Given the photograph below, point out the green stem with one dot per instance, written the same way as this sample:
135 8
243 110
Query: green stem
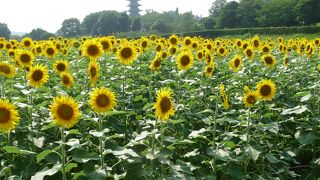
153 142
63 154
248 128
8 138
101 143
214 135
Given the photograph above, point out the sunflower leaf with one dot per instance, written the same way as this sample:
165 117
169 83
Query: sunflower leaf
15 150
296 110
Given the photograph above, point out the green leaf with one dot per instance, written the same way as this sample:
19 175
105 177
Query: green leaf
84 157
253 153
192 153
296 110
195 134
147 106
15 150
272 159
43 154
222 154
206 111
115 113
305 138
305 98
46 172
71 166
123 151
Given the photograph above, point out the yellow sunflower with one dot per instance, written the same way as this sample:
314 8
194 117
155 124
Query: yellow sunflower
61 66
236 63
184 60
50 51
208 70
250 98
249 53
24 58
200 55
187 41
318 67
102 100
224 97
9 116
164 105
38 75
126 54
265 49
173 50
144 43
7 70
65 111
92 49
155 65
173 40
266 89
285 60
222 51
66 79
27 42
93 72
268 60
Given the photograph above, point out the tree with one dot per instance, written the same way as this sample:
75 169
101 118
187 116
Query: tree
307 11
70 28
134 8
4 31
39 34
277 13
124 22
208 22
107 23
228 16
247 12
88 23
216 7
136 25
159 27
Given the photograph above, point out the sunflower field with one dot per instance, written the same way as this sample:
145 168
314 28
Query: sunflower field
160 108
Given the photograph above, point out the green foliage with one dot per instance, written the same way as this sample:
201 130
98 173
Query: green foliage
107 23
4 31
228 16
39 34
70 28
136 24
124 22
307 11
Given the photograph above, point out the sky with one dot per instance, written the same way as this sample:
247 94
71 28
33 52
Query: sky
25 15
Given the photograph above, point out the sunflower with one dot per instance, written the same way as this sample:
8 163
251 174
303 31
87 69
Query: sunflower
173 40
184 60
65 111
27 42
250 98
266 89
256 42
7 70
106 44
24 58
200 54
144 43
239 43
265 49
235 63
187 41
38 75
155 65
268 60
102 100
224 97
164 105
92 49
285 60
249 53
222 51
50 51
195 45
208 70
126 54
61 66
93 72
9 116
66 79
172 50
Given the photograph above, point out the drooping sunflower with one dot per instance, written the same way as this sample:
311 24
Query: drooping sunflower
249 52
66 79
7 70
27 42
268 60
208 70
9 116
60 66
65 111
266 89
126 54
24 58
93 72
285 60
38 75
164 105
92 49
155 64
102 100
250 98
172 50
185 60
224 97
236 63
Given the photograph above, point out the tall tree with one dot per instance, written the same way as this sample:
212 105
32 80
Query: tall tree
39 34
308 11
4 31
89 22
124 22
247 12
228 16
134 7
107 23
216 7
136 24
70 28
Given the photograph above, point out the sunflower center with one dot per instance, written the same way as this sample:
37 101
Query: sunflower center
50 51
37 75
256 43
27 43
265 49
11 53
157 63
105 45
144 44
188 42
249 53
102 100
221 50
1 45
185 60
251 99
61 67
93 71
265 90
65 80
237 63
93 50
5 69
268 60
194 45
158 48
126 52
25 58
4 115
210 69
200 55
173 41
65 112
165 104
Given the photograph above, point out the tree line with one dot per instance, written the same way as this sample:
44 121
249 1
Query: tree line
223 14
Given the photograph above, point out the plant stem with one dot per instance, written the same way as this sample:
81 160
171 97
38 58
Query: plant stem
214 134
248 128
8 138
63 154
153 142
101 145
